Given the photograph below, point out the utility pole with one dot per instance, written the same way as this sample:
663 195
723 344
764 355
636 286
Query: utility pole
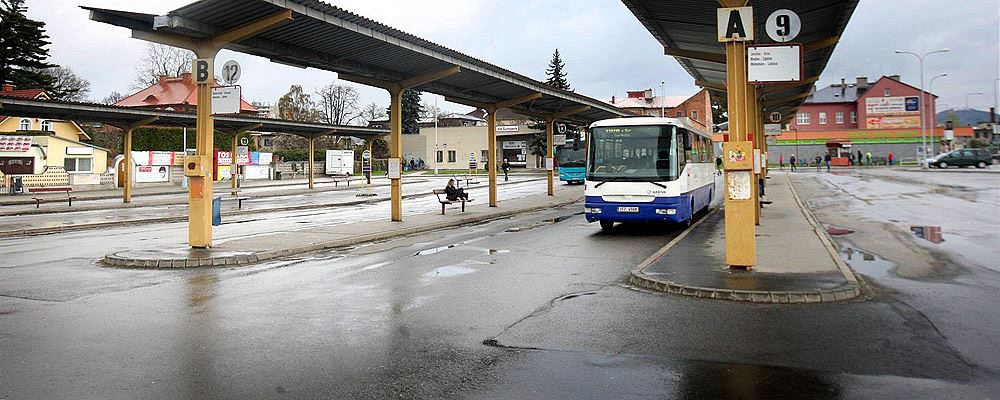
923 104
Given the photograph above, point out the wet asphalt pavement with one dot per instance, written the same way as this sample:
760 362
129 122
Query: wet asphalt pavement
518 308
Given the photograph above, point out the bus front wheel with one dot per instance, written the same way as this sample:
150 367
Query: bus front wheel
607 225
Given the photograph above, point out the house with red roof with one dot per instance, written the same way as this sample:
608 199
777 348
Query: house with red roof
174 94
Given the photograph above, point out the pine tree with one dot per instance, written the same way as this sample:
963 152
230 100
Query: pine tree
412 109
557 77
22 48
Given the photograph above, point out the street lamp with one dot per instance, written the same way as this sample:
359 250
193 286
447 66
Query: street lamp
934 126
967 98
923 122
663 99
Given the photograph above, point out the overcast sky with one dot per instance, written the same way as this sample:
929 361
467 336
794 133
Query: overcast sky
606 50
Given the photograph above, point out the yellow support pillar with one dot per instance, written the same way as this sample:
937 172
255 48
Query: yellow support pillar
234 167
755 134
127 162
741 245
200 187
396 147
549 155
312 162
491 145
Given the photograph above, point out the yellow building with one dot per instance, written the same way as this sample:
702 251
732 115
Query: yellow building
33 146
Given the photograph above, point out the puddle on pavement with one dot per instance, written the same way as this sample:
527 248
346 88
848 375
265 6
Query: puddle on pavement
562 218
866 263
449 271
929 233
434 250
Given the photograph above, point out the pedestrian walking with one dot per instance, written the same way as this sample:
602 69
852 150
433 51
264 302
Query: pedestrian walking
890 158
718 165
850 158
826 159
861 158
791 162
781 161
819 161
868 155
505 167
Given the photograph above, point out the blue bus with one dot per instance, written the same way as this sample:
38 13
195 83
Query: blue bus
571 159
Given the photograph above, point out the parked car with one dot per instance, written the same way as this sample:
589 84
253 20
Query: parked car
978 158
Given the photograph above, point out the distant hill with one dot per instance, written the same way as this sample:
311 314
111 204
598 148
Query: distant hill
967 117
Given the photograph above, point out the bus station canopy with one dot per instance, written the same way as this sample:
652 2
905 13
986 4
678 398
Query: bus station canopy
125 116
360 50
687 30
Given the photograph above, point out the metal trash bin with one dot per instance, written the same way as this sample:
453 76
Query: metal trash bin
217 211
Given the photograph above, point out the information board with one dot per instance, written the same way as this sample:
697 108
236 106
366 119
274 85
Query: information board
774 63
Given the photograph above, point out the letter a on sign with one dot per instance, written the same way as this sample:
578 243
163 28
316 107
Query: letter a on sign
202 72
735 24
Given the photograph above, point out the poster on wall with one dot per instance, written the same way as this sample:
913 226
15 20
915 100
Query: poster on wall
15 143
892 122
892 105
152 173
251 172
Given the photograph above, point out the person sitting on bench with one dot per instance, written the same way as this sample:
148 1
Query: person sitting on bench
453 193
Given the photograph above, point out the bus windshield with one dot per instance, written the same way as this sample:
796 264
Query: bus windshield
567 157
633 153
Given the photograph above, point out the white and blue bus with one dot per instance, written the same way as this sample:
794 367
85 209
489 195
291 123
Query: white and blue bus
647 169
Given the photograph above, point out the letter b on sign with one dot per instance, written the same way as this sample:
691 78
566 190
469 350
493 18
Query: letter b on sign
203 70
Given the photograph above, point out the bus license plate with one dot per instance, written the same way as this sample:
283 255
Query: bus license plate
628 209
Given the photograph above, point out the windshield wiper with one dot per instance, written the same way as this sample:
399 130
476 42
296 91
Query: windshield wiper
609 179
658 184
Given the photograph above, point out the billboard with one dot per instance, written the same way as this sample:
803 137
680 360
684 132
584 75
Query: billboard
898 105
903 122
152 173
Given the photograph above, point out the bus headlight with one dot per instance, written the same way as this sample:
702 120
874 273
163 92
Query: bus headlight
666 211
592 210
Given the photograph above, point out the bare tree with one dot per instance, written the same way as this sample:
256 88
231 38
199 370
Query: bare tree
66 85
113 98
338 104
372 112
297 106
161 60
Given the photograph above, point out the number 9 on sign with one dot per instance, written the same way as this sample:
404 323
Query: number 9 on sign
783 26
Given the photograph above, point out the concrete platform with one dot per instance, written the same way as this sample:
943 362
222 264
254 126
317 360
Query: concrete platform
796 260
258 248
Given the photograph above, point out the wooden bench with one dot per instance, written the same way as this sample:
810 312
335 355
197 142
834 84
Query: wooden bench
341 178
444 200
64 189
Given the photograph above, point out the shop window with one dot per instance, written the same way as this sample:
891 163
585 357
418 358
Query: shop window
25 124
840 117
46 125
452 156
440 157
78 165
802 118
822 118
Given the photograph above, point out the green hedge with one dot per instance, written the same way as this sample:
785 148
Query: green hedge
300 155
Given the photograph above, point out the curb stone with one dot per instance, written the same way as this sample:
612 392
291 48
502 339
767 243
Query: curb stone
114 260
